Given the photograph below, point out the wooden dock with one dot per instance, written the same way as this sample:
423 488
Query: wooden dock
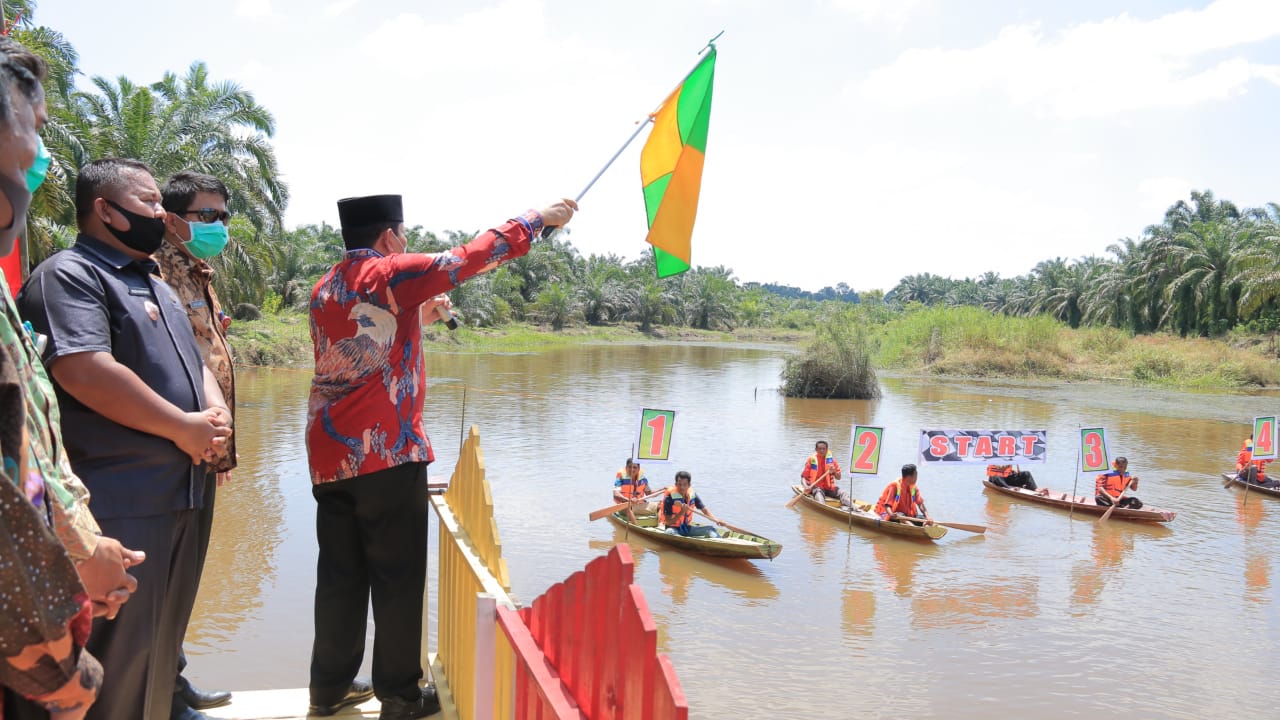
292 705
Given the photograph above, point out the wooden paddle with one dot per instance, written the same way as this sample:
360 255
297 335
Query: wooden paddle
792 502
1106 515
722 524
957 526
603 512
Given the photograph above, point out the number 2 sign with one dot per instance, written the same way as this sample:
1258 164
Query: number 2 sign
1093 450
867 441
656 428
1264 437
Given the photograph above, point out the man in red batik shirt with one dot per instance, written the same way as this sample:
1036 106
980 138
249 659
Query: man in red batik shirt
368 450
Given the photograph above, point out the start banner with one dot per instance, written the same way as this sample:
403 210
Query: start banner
1004 447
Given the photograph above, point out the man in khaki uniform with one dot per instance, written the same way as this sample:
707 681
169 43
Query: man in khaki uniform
195 230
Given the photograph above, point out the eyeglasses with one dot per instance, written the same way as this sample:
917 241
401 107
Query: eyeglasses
209 215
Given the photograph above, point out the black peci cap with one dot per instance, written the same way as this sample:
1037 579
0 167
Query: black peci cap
357 213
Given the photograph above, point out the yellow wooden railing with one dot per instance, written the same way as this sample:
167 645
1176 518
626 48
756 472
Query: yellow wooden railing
474 660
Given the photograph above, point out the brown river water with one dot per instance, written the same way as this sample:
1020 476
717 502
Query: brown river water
1046 616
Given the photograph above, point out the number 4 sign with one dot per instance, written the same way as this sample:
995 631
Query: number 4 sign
656 428
1264 437
865 459
1093 450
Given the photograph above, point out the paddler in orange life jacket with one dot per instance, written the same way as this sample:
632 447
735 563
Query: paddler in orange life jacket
1253 471
816 467
675 515
902 497
630 485
1110 485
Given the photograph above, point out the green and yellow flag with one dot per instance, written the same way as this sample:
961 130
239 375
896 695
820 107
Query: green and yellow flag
671 167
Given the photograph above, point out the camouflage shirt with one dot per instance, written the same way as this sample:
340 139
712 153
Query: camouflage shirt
192 280
51 485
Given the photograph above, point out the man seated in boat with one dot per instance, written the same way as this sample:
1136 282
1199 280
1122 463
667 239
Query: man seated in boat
630 485
675 514
1253 471
1006 476
902 497
1111 485
823 468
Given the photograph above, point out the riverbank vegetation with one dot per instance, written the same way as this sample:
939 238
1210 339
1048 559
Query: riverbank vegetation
1193 300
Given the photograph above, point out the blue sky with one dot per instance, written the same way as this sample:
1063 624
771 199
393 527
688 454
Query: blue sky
851 141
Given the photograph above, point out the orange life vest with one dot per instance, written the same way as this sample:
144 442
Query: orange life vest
678 517
893 500
1112 483
1246 456
1002 471
631 489
813 468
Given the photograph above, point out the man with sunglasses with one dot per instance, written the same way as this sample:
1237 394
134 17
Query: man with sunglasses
195 230
143 414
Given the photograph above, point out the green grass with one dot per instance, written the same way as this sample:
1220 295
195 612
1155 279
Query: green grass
967 341
954 342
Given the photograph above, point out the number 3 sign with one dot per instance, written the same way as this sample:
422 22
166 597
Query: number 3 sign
1093 450
865 459
656 427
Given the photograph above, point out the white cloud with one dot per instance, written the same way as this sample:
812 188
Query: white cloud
254 9
892 13
338 7
1156 194
1095 69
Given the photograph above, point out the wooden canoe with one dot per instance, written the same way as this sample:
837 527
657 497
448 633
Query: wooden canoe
863 517
1273 492
730 544
1083 504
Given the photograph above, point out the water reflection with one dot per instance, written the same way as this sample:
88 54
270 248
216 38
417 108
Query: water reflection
1110 543
858 612
678 569
975 603
818 531
897 560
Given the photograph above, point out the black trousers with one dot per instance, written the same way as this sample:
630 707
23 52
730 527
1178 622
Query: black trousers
1127 501
204 530
139 649
372 533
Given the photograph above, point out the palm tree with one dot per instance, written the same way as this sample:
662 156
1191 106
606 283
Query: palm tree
556 305
1204 295
709 299
601 289
650 304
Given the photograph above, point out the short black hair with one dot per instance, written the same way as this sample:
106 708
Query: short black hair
822 442
365 236
908 470
1122 459
99 176
684 475
181 189
630 462
20 69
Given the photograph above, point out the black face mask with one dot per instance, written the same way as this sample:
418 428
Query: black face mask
19 199
145 233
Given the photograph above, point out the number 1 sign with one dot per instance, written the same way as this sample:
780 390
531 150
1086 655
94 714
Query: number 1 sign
656 427
865 459
1264 437
1093 450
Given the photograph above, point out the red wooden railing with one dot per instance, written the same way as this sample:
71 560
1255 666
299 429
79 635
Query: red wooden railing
587 648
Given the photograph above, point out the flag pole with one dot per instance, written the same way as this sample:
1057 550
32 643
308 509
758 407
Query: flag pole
648 119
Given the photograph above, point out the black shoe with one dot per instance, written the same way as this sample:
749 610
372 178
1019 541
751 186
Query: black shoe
394 708
199 699
358 693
